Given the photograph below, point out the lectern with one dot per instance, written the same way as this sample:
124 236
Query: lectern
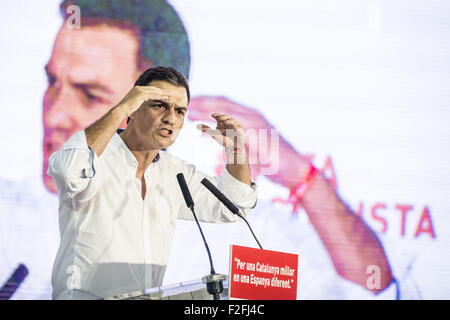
255 274
189 290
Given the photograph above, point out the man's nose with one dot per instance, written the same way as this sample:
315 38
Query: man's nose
59 108
169 116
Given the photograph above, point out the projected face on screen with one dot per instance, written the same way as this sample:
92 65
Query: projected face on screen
89 71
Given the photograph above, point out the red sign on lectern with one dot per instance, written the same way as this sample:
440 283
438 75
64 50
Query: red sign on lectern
257 274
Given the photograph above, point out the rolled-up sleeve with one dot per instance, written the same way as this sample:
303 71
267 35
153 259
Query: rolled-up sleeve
241 194
74 167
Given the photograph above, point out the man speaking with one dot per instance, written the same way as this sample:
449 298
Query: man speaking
118 191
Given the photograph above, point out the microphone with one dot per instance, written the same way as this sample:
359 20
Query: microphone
230 205
219 195
185 190
214 280
14 281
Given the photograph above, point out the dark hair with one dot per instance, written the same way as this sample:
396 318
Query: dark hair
161 73
162 36
167 74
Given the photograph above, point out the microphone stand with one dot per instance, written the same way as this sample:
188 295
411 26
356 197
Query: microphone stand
214 284
213 281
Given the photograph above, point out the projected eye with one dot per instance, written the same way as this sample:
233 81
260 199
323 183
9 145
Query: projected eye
91 97
51 79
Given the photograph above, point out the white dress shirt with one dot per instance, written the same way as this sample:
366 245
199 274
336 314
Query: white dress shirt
112 240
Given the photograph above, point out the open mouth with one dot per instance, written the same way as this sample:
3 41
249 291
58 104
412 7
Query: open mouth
166 132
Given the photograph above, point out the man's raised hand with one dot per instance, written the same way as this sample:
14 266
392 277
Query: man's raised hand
228 132
139 95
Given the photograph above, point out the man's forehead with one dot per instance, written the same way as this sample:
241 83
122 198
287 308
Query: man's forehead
178 93
93 51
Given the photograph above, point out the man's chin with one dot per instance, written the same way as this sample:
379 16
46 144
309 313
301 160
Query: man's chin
164 146
164 143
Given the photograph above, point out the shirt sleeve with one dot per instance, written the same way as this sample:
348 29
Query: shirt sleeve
207 207
74 168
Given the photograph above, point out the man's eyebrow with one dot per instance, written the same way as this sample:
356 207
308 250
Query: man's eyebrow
93 86
160 101
166 104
